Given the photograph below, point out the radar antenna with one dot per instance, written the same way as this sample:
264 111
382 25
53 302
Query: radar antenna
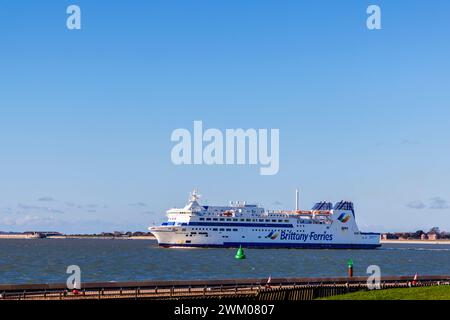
195 196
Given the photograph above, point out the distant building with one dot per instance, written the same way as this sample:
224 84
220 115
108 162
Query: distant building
107 234
25 235
389 236
433 236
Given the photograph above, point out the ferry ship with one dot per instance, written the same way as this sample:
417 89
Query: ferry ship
325 226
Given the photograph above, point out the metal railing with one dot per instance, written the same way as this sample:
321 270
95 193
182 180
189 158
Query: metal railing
277 288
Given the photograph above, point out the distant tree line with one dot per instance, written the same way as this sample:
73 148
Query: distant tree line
419 233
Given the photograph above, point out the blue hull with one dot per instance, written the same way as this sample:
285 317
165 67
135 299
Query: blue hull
277 245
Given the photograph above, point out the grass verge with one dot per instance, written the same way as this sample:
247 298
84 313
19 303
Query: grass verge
419 293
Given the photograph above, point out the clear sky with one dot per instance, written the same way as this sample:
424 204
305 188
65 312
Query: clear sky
86 115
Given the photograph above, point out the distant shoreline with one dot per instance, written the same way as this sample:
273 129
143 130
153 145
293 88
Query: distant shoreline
103 237
415 242
30 237
150 237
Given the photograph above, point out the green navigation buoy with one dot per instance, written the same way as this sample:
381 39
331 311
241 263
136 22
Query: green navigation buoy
240 254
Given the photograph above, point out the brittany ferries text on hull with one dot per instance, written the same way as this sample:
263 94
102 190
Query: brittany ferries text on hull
323 227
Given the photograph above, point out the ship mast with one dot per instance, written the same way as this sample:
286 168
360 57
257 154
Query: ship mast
194 196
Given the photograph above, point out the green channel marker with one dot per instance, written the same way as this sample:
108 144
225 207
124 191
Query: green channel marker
350 268
240 254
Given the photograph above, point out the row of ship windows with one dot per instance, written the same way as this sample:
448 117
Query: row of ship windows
211 229
229 230
215 211
246 220
206 236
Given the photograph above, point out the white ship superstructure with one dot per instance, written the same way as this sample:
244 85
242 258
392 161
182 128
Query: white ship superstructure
241 224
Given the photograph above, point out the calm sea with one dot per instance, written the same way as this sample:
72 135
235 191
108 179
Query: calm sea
46 261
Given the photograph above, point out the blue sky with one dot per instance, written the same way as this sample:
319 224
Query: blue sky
86 116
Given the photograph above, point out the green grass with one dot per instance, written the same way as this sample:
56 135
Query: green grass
419 293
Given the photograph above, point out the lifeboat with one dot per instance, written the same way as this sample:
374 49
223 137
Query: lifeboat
228 214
